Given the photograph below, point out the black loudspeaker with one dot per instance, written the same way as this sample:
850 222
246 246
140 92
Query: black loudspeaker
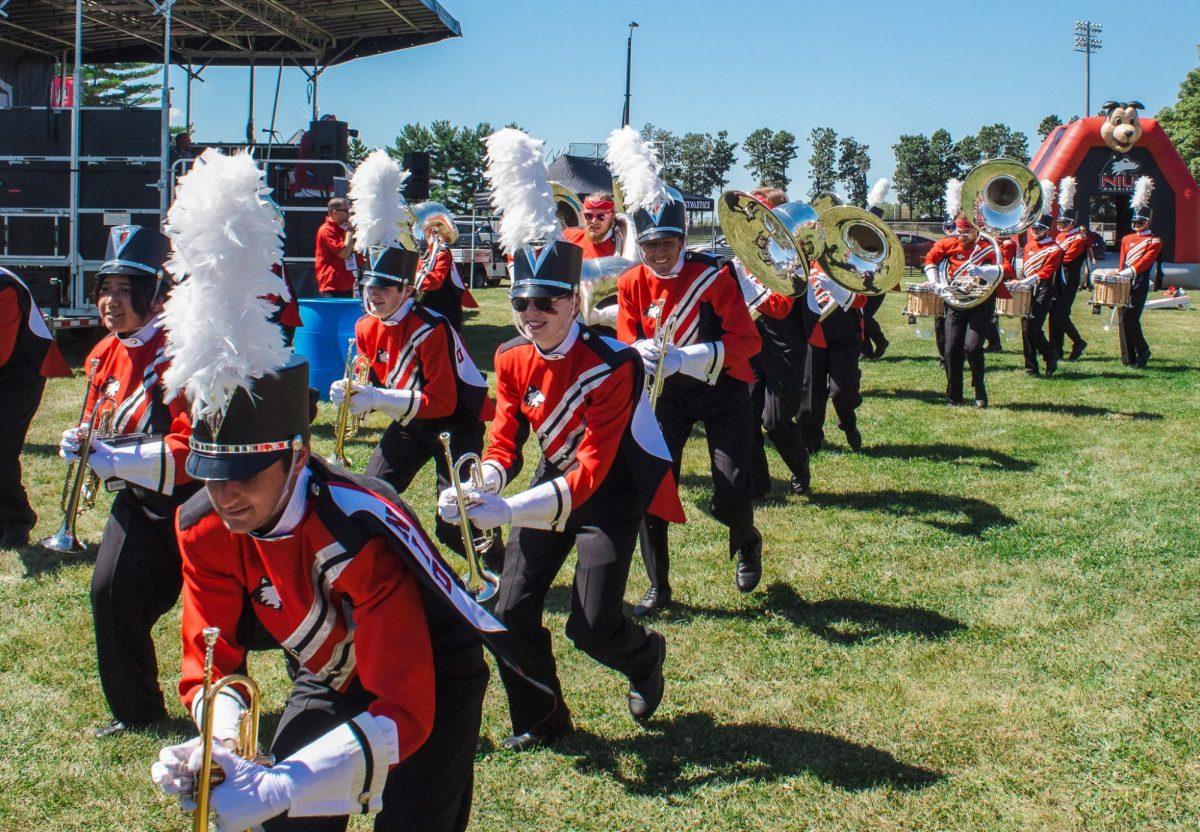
36 185
416 162
121 132
118 185
330 140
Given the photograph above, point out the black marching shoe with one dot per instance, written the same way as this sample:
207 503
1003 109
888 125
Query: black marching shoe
656 599
853 438
1077 350
748 571
112 728
801 481
535 739
15 536
881 349
981 400
1032 371
1051 365
645 694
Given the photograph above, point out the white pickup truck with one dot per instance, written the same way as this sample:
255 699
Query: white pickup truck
479 249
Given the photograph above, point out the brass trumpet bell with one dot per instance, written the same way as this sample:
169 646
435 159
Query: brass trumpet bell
568 206
1001 197
763 242
861 252
437 216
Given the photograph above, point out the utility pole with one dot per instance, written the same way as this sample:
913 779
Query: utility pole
628 63
1087 41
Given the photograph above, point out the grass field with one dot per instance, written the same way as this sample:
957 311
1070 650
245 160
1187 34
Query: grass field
984 620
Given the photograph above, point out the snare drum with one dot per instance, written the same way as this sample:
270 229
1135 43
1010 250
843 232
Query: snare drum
1019 305
924 302
1110 290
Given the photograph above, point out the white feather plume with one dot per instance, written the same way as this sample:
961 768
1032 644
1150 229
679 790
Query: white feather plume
377 207
227 235
1141 192
1048 194
520 189
953 198
878 193
635 164
1066 193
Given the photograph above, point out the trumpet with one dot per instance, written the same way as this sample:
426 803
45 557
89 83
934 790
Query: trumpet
663 336
83 484
357 371
480 582
247 740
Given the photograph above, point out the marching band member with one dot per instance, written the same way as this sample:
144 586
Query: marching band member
953 204
1140 250
1008 272
28 356
874 342
423 379
1040 268
831 370
604 463
778 372
328 565
1073 240
965 329
136 580
438 282
705 364
599 236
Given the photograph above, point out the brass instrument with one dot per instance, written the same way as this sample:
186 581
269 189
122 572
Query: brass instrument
482 583
598 282
663 336
1000 198
357 371
568 206
83 484
434 218
247 741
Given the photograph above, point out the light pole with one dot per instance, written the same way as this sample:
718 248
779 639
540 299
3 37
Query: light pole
628 62
1087 42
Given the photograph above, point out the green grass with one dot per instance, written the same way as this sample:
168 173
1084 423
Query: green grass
985 620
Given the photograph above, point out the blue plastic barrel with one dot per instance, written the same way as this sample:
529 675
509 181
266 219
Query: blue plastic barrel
328 327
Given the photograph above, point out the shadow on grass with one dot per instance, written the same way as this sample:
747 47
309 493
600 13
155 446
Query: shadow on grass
928 396
1084 410
941 452
44 449
38 561
925 506
677 757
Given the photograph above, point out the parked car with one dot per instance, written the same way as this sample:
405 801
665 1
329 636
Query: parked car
916 247
719 249
478 246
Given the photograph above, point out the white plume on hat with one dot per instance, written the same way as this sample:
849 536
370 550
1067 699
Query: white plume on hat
878 193
1141 192
953 198
635 164
520 189
227 234
1066 193
377 208
1048 194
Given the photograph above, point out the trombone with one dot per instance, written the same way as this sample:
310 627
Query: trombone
247 740
82 483
357 371
481 582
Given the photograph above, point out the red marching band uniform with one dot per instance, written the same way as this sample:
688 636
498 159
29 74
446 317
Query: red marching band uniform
1041 266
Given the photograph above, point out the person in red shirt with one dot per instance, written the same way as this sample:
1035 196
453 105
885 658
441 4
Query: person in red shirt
137 575
1073 240
336 263
1140 251
599 236
707 379
1041 267
422 378
28 356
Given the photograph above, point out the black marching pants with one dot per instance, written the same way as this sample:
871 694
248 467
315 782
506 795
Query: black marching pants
939 337
402 452
428 792
1134 349
724 410
830 373
966 331
873 338
137 580
597 624
1061 325
22 395
775 404
1033 338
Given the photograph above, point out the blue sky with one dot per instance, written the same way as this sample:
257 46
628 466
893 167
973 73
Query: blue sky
872 70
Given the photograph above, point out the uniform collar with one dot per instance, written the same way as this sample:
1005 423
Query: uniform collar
563 348
293 513
398 316
142 337
1145 232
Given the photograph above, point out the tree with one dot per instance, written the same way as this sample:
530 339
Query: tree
998 141
358 151
704 162
666 144
120 85
913 180
768 154
722 159
853 163
1182 121
943 162
823 161
967 154
1046 126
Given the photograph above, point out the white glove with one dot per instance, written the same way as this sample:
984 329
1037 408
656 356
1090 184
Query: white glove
931 274
672 361
487 511
973 270
646 347
250 794
447 504
68 447
172 774
102 459
700 361
399 405
337 391
605 316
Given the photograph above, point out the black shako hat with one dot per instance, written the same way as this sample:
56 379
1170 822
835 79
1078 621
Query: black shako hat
1145 213
1067 215
135 250
662 219
257 428
549 272
391 265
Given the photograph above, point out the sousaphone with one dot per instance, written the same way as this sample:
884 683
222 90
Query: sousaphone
568 206
428 215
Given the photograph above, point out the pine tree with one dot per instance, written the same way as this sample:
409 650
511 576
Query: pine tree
121 85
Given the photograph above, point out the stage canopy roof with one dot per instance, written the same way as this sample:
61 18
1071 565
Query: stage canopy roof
227 32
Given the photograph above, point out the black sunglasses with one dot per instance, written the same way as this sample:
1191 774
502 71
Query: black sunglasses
540 304
592 217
